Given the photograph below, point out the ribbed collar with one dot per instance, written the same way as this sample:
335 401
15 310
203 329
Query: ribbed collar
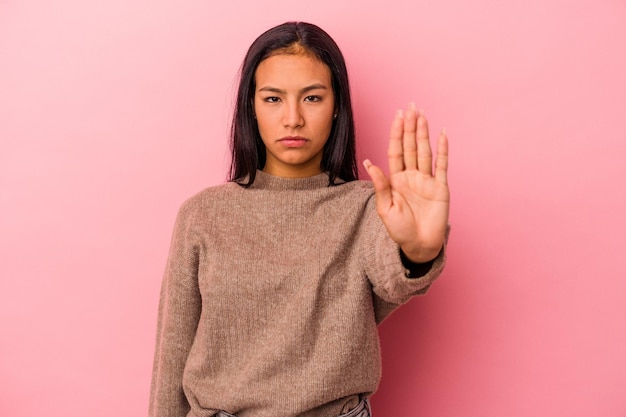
272 182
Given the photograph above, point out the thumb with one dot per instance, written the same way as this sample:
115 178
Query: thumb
382 187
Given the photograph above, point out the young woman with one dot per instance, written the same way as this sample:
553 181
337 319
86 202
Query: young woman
276 280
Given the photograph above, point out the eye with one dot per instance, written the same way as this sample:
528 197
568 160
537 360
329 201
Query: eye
312 99
271 99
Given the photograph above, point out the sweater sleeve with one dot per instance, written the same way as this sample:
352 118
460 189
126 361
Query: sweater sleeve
383 264
178 315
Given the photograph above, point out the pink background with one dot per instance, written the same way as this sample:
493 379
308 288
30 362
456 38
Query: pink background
112 113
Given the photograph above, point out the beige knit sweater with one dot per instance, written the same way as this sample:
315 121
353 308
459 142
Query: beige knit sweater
271 297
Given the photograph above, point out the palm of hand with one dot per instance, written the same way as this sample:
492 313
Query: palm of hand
413 203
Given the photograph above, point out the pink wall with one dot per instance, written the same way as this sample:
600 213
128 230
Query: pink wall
112 113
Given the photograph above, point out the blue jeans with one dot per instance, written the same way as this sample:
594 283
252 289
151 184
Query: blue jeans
361 410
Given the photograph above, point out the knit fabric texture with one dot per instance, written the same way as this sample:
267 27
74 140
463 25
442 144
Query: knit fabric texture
271 298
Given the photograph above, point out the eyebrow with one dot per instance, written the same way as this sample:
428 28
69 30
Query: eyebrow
304 90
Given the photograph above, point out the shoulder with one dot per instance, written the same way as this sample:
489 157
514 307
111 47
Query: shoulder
208 197
362 185
357 189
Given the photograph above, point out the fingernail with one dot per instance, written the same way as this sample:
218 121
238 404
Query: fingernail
412 105
367 164
444 132
421 112
399 113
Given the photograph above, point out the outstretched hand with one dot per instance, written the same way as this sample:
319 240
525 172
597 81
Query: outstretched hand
414 201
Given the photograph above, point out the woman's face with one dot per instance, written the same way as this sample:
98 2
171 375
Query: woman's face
294 105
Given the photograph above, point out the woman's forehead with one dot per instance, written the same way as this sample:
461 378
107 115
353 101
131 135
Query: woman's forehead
290 69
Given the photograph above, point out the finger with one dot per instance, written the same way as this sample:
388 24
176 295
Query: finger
409 145
441 164
394 152
424 153
381 186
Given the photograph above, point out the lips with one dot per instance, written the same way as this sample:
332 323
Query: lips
293 141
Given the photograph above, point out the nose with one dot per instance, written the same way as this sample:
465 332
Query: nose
292 116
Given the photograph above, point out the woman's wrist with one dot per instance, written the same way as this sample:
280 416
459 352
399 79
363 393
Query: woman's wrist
415 269
419 255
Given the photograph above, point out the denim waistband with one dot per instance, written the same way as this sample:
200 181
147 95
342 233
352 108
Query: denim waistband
361 410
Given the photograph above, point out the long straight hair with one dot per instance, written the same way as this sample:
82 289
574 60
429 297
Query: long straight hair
247 148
